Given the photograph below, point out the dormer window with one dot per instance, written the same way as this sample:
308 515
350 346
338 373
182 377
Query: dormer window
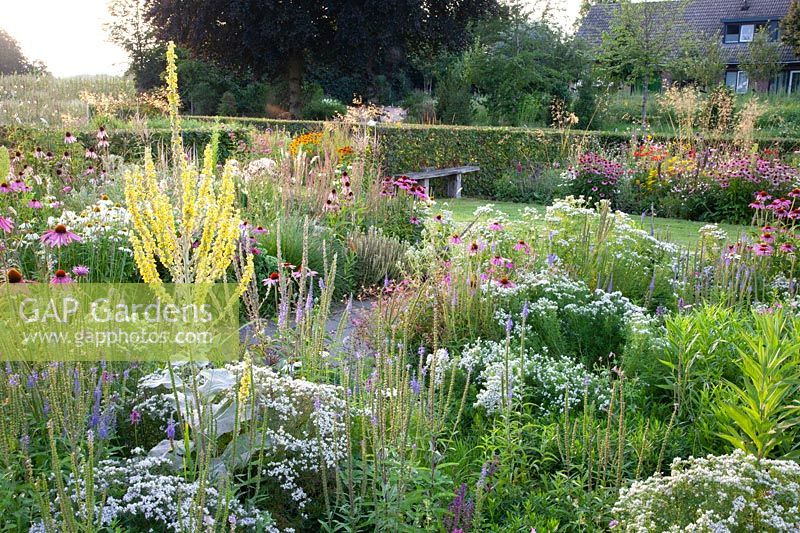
739 33
745 31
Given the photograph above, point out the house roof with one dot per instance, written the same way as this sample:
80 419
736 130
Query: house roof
707 17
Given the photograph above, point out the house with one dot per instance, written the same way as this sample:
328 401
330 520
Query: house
734 22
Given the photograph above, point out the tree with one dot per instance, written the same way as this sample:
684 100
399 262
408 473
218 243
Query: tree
12 60
279 38
130 30
521 69
764 58
700 60
640 43
790 27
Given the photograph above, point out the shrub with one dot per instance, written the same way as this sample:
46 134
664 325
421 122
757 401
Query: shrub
733 492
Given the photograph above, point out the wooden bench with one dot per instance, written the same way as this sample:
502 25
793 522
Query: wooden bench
453 175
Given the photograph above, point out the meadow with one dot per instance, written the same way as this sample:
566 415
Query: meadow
401 362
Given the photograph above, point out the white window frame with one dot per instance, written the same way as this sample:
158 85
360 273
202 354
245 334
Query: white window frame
747 37
739 75
792 75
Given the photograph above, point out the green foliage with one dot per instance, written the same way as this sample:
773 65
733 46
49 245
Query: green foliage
454 97
521 95
227 105
790 27
700 59
763 59
760 412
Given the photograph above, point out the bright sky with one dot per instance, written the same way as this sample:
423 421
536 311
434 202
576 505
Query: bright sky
68 35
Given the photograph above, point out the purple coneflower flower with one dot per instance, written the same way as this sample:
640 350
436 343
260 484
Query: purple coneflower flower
787 248
272 279
69 138
61 278
59 236
414 220
496 226
80 270
455 239
763 249
6 224
102 135
35 204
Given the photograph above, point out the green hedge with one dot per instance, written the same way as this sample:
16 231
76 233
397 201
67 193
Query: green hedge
404 147
410 147
126 143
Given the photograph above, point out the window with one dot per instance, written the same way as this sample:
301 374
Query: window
740 32
794 82
732 33
746 33
738 81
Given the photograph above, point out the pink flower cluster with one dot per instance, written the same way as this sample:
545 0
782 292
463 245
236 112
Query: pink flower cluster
597 176
766 172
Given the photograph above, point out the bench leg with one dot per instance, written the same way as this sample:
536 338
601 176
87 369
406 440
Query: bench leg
455 186
426 184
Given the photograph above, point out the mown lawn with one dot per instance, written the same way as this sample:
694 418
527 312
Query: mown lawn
682 232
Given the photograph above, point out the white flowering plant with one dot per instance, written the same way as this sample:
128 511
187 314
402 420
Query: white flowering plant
726 493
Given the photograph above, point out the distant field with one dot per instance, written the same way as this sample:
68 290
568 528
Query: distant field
681 232
47 101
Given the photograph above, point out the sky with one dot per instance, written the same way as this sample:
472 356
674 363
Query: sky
68 35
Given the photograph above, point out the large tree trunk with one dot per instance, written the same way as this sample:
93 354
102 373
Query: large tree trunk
295 64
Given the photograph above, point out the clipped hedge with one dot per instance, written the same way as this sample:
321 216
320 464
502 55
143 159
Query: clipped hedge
405 147
126 143
411 147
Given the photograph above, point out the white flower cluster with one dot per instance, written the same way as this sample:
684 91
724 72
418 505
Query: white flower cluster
264 167
546 380
441 359
305 425
144 488
103 219
724 493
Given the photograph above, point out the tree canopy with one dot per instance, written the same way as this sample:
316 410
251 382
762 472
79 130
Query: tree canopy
366 38
12 60
790 27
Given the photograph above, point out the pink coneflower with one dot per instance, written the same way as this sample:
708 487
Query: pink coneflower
787 248
259 230
505 283
455 239
763 249
414 220
66 156
439 218
495 226
102 135
6 224
80 271
474 247
17 157
767 237
38 153
61 278
794 193
522 246
89 171
5 188
762 196
19 186
35 204
103 144
66 189
272 279
56 205
69 138
90 153
59 236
